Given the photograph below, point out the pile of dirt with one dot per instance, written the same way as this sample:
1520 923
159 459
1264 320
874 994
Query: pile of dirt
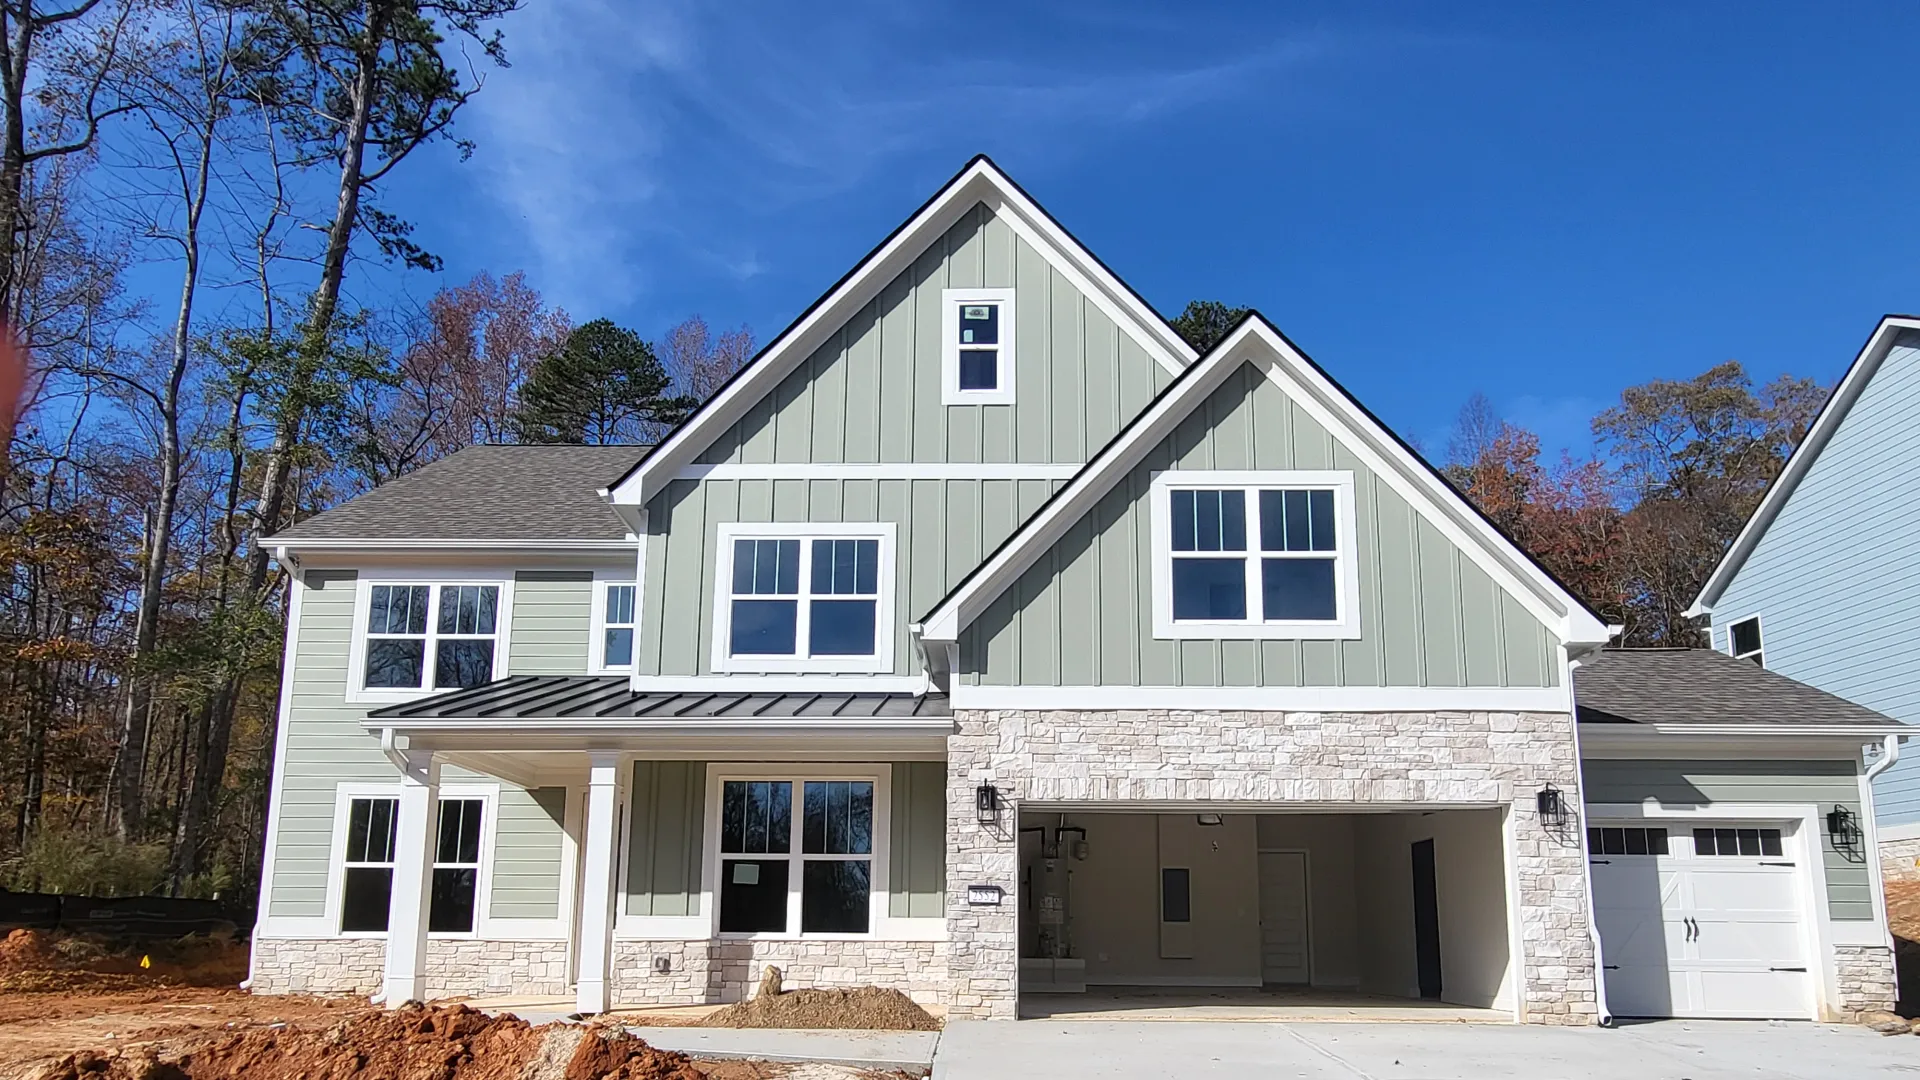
860 1007
417 1042
38 961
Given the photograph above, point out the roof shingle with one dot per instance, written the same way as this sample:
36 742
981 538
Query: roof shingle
1701 686
487 493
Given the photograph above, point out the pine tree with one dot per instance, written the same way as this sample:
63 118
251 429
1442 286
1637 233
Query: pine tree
604 386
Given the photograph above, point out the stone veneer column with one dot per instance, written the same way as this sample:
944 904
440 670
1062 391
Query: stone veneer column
1326 760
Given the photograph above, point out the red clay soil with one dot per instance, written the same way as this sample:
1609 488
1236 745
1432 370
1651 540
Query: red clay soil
610 1054
38 962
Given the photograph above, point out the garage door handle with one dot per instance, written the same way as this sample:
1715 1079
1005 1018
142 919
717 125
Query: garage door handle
1599 862
1776 863
1610 967
1787 969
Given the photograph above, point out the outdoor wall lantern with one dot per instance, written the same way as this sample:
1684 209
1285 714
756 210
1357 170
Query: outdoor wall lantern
1841 826
986 804
1551 806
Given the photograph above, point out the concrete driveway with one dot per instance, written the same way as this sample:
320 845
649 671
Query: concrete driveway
1667 1050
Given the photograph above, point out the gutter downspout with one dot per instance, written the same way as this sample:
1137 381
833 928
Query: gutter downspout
1889 753
1603 1016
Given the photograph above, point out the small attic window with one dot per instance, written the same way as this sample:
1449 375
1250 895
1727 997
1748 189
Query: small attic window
977 346
1743 641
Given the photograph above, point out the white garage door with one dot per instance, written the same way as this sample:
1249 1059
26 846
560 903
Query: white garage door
1701 920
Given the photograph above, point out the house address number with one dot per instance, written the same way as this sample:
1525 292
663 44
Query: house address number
985 895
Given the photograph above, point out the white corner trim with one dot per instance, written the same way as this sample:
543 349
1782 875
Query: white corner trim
1345 624
885 470
1005 360
980 181
1854 383
276 792
878 662
1267 698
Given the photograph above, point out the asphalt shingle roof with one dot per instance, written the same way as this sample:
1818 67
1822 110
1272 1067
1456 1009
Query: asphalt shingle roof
487 493
610 697
1701 686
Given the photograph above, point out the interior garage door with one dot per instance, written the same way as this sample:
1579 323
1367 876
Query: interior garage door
1700 921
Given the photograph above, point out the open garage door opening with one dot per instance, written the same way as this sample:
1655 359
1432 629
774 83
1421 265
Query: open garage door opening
1323 915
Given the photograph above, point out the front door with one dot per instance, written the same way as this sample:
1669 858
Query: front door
1704 921
1283 917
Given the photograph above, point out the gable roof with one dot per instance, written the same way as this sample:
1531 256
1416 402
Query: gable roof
482 493
1256 341
980 181
1701 686
1800 462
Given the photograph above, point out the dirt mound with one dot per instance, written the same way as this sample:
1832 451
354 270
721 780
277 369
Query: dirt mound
412 1043
860 1007
37 961
25 950
612 1054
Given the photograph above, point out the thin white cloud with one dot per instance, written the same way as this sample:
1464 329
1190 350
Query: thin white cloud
630 140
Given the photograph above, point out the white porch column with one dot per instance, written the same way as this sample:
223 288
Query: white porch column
412 879
597 887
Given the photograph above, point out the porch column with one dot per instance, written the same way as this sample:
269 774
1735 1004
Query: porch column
412 879
597 891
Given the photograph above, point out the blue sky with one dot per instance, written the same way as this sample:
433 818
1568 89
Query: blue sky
1545 203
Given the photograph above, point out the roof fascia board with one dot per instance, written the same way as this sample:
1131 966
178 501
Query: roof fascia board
1333 409
1865 365
425 544
979 182
1589 730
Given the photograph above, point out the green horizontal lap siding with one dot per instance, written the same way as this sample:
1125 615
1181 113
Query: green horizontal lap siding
668 809
943 528
552 619
917 868
325 746
873 392
1704 783
528 845
1083 614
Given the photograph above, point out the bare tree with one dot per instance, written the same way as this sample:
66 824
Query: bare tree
700 361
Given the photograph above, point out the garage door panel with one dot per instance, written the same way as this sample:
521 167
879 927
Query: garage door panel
1640 938
1752 994
1644 990
1759 944
1750 891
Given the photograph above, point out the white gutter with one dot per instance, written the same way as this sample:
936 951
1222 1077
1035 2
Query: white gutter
389 746
295 543
1889 753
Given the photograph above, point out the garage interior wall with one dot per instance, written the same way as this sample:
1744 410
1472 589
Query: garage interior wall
1470 868
1360 898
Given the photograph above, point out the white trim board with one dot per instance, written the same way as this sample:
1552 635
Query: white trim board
1258 343
981 181
883 470
276 792
1865 365
1268 698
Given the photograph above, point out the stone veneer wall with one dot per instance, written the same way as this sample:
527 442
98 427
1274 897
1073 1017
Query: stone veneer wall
1866 978
1900 859
723 971
455 967
1441 758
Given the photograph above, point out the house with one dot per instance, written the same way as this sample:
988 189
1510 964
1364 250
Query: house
981 640
1819 584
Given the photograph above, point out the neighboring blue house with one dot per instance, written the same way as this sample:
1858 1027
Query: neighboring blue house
1823 583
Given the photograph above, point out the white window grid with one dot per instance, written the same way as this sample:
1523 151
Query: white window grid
880 661
877 859
620 599
348 793
1346 574
951 301
359 691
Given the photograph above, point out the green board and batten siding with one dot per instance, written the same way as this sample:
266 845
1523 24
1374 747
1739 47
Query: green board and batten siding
326 746
1429 616
665 845
872 395
1705 783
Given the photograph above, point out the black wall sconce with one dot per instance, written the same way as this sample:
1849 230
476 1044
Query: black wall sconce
1842 827
986 804
1551 806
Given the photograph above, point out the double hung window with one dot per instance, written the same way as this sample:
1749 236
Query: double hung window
366 874
977 336
618 628
800 601
796 856
437 637
1254 555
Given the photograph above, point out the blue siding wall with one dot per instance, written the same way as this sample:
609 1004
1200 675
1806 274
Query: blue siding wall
1836 578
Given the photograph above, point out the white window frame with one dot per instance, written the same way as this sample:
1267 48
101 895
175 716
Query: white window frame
878 898
951 301
1758 628
1346 572
343 796
357 689
879 662
597 645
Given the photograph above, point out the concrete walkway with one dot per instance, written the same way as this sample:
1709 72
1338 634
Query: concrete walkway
1669 1050
912 1051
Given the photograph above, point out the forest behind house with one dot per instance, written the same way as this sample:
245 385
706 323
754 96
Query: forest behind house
200 265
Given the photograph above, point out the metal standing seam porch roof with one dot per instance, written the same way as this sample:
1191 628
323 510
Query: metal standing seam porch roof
610 697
